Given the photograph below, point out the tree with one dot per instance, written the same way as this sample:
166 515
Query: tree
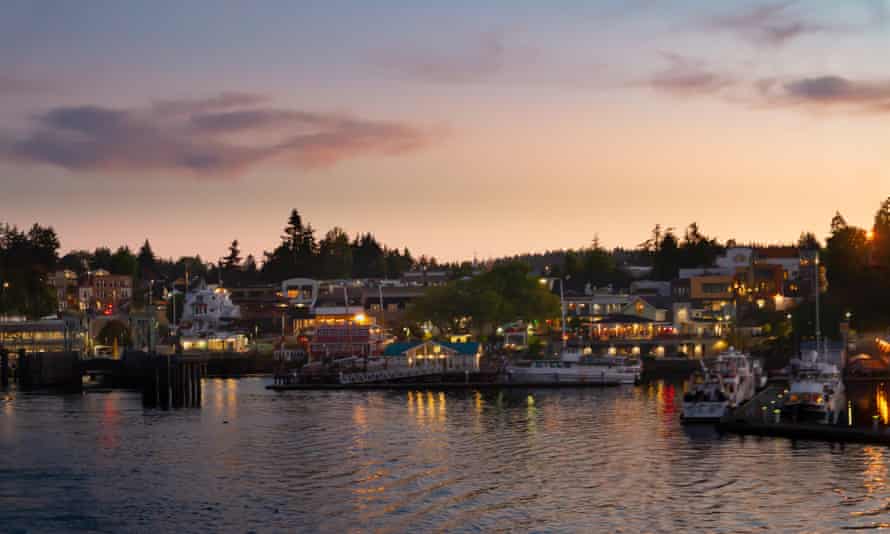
124 262
102 259
666 262
808 241
26 259
233 259
146 261
504 294
336 254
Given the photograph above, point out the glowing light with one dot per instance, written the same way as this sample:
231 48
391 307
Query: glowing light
360 317
870 235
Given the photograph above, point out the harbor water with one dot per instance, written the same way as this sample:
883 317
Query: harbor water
611 460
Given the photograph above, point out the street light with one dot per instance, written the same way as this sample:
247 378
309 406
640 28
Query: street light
562 307
5 286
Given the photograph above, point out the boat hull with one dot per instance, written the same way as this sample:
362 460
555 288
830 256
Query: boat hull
704 412
568 376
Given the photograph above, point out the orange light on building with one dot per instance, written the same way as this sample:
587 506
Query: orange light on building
870 235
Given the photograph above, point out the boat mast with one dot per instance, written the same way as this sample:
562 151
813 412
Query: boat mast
818 290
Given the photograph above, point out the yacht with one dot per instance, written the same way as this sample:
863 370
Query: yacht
563 372
706 402
815 390
737 376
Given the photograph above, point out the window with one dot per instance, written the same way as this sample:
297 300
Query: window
715 288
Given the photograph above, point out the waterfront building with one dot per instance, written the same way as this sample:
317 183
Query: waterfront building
262 308
215 342
45 335
208 309
439 354
333 341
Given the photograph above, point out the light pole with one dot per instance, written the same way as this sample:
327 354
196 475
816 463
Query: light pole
562 306
3 289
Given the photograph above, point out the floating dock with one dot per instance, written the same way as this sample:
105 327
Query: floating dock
758 417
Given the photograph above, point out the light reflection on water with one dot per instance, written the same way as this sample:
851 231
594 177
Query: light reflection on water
613 459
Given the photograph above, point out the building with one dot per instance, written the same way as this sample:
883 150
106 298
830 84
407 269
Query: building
208 309
65 284
262 308
334 341
437 354
388 305
45 335
101 291
425 278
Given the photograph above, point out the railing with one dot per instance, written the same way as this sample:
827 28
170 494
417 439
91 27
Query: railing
388 374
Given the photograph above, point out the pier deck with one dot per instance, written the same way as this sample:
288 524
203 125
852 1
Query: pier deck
753 419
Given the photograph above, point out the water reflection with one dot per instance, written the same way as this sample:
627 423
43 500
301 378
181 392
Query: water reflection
524 460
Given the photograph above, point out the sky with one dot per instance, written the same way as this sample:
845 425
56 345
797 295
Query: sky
456 129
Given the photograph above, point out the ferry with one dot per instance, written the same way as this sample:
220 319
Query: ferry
629 370
564 372
815 390
706 402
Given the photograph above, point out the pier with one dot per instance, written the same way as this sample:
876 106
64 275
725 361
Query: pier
761 417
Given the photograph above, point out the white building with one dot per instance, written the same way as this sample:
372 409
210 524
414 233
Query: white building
208 309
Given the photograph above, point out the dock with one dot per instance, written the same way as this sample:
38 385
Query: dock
757 417
405 386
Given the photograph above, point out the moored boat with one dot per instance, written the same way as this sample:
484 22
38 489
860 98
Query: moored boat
737 377
563 372
706 402
815 389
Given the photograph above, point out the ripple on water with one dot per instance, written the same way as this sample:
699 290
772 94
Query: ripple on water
541 460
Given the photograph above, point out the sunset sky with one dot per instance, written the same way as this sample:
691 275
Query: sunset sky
473 127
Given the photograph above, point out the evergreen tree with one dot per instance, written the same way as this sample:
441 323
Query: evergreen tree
233 259
147 262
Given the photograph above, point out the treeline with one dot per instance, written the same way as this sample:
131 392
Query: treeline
335 256
857 269
26 259
664 251
299 254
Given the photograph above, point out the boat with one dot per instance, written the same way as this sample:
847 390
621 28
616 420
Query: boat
815 391
737 376
563 372
706 402
629 370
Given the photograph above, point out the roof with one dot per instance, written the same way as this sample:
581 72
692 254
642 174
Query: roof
397 349
658 301
618 318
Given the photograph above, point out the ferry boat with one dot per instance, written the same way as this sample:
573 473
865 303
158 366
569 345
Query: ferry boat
706 402
563 372
815 390
737 376
629 370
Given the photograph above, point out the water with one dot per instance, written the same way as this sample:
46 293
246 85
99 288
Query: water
613 460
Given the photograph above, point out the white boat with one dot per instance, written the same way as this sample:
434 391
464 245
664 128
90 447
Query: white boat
706 402
628 370
815 390
562 372
737 378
